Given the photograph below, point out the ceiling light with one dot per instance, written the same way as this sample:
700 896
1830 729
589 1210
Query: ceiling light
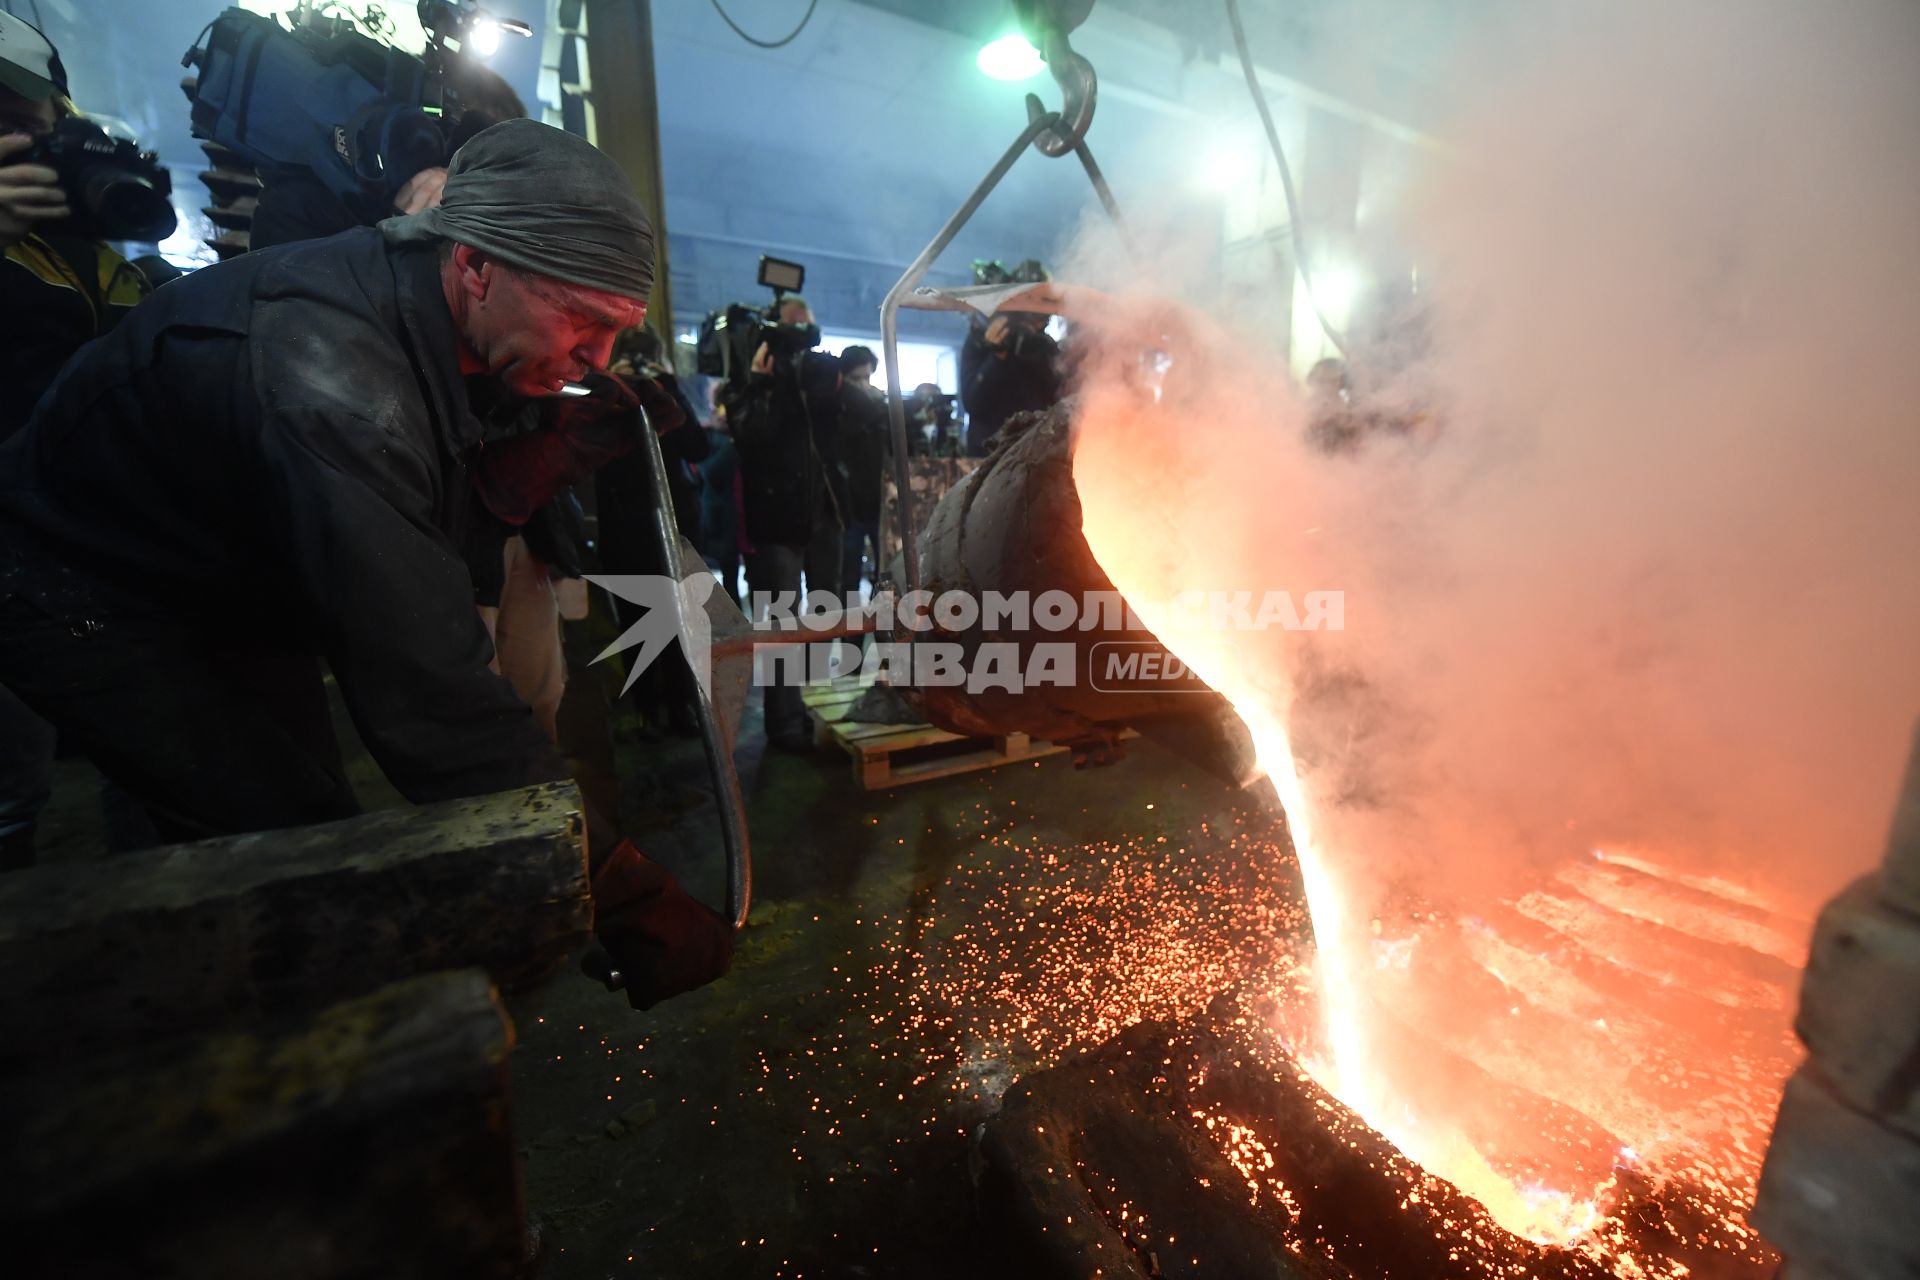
1010 58
1337 285
1228 164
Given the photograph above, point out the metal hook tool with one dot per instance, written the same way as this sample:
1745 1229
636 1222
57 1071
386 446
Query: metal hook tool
719 749
713 736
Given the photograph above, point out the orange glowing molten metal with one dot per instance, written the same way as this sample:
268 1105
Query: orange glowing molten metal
1608 1022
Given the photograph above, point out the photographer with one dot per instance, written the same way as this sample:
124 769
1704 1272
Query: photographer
865 443
296 205
1009 364
785 418
930 423
62 290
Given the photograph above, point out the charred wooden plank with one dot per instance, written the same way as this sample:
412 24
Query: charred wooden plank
185 937
1094 1172
1069 1154
1192 1150
372 1138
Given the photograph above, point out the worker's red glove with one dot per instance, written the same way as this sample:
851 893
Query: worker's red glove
660 939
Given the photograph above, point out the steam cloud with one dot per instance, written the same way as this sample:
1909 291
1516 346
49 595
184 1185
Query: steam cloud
1646 573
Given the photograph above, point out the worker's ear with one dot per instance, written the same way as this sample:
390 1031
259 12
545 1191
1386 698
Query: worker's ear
473 271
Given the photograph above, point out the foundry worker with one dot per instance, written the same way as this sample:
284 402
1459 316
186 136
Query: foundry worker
267 464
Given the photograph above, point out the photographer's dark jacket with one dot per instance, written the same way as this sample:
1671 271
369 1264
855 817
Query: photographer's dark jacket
277 446
865 440
57 293
1021 376
789 446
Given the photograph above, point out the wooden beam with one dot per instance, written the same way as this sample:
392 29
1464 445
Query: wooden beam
370 1139
99 955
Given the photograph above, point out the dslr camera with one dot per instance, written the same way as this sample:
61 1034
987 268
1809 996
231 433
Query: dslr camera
116 190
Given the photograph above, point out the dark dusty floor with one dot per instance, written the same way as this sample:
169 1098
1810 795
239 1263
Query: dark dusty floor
909 954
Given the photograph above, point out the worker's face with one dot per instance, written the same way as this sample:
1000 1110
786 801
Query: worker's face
795 313
860 375
535 333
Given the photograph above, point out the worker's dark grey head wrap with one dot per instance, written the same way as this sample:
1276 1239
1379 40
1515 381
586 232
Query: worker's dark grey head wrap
546 201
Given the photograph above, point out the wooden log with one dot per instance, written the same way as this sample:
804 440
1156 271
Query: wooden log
370 1139
183 938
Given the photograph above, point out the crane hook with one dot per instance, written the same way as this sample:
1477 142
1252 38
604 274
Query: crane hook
1046 24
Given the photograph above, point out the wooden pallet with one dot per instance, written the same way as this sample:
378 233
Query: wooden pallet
890 755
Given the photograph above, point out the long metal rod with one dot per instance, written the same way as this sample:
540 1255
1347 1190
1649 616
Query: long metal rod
890 338
1100 188
1301 262
733 809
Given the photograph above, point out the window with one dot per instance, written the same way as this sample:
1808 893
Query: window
920 362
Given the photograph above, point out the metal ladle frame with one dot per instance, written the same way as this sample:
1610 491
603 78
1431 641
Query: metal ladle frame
1052 134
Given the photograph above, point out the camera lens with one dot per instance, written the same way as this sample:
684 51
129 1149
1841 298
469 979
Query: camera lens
128 205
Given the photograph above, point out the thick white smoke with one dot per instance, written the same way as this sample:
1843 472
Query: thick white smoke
1647 574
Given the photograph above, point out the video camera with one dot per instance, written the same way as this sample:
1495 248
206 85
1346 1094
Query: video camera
361 116
730 336
116 190
931 418
992 271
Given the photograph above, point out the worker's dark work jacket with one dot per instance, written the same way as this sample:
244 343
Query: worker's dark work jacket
276 446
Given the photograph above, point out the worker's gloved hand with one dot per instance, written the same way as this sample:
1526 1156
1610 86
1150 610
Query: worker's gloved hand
517 476
663 411
660 939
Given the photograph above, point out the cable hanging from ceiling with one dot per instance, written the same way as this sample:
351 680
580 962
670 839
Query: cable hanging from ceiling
1301 261
766 44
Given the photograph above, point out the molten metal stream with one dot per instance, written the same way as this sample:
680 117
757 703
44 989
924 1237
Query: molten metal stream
1343 960
1619 1068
